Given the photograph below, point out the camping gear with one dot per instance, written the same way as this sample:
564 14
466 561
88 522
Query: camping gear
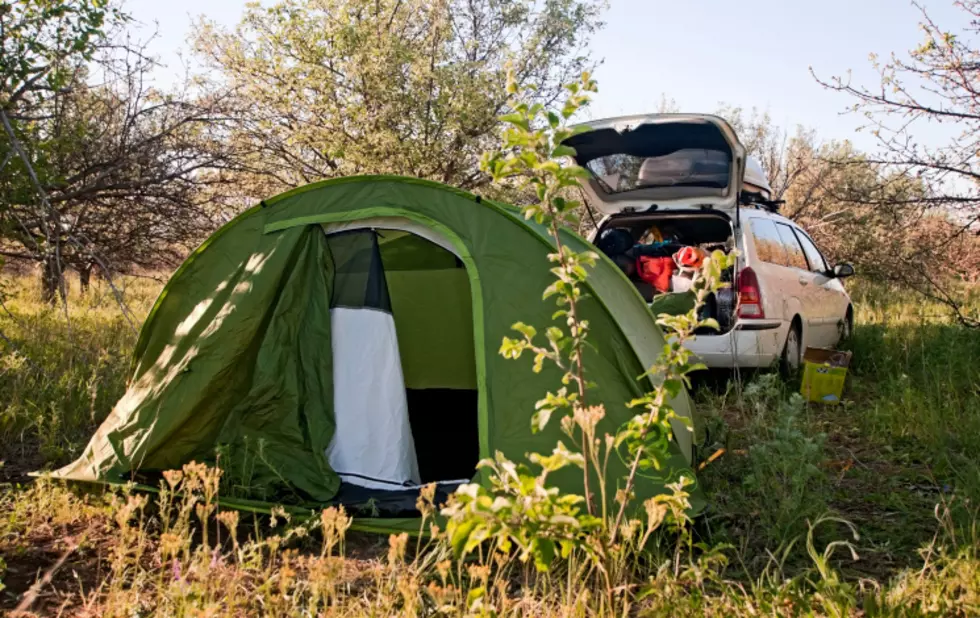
824 374
689 259
664 248
652 235
338 344
686 166
614 242
656 271
673 304
680 283
726 300
755 180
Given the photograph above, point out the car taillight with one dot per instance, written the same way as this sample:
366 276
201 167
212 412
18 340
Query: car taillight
749 296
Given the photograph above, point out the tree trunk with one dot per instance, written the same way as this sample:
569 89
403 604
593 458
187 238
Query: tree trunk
52 279
84 278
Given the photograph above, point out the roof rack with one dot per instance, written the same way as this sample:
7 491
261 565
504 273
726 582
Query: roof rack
757 200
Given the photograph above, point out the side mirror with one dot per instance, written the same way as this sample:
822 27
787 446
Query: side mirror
842 271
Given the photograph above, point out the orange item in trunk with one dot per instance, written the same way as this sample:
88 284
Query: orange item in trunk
656 271
690 257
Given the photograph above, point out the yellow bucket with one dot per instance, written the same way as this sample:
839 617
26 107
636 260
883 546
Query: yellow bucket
824 374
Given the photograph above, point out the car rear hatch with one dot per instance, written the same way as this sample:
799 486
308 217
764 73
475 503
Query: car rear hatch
660 162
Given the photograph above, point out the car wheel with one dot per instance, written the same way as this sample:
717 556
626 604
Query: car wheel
847 326
793 350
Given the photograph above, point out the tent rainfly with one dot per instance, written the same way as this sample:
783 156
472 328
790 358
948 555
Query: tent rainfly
338 344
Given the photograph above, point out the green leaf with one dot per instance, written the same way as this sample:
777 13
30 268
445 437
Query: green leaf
566 548
543 551
540 419
474 595
711 323
562 150
525 329
518 120
460 535
550 291
550 167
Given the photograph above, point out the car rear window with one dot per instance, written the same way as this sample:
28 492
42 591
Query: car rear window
794 252
621 172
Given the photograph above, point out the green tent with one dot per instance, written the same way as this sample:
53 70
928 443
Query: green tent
339 344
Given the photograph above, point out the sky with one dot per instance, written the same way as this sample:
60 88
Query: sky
751 53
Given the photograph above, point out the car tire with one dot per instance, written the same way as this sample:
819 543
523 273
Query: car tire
792 350
847 326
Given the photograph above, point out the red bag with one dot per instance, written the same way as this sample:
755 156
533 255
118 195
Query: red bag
656 271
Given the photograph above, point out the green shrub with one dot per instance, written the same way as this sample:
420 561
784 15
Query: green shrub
786 463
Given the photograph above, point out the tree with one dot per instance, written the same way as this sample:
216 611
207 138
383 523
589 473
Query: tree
43 42
934 91
847 201
336 87
43 45
784 157
101 170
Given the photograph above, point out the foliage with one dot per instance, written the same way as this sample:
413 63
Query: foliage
785 464
533 157
58 383
99 169
521 510
330 88
933 84
43 42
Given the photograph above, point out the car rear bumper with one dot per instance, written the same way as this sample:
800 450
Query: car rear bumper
752 343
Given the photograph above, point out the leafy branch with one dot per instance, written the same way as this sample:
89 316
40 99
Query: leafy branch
532 151
520 510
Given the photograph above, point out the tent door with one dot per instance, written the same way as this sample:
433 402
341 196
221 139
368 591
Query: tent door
404 360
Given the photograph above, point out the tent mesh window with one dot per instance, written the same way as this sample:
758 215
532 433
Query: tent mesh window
359 277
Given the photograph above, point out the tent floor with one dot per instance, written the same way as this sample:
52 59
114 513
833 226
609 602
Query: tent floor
364 502
447 446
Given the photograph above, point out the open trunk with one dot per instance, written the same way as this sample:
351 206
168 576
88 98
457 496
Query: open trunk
670 185
660 162
650 247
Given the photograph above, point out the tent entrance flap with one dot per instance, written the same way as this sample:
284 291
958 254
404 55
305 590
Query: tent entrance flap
406 396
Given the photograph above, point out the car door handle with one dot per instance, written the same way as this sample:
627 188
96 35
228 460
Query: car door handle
804 281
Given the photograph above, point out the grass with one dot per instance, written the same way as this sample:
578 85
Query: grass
893 472
60 378
904 442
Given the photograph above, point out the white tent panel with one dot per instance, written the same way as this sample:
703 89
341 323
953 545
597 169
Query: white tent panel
373 439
